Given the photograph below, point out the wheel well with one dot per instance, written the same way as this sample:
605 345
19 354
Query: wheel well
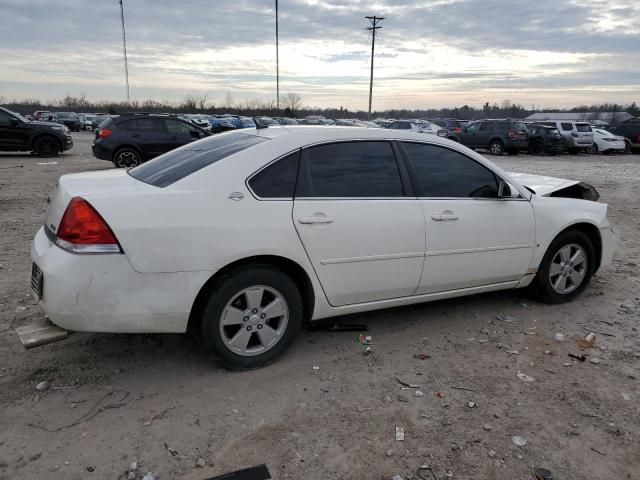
593 233
291 268
42 135
130 147
497 139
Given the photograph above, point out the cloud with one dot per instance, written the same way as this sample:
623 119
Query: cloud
427 54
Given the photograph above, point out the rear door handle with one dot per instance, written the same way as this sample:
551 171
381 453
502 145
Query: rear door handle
444 216
317 218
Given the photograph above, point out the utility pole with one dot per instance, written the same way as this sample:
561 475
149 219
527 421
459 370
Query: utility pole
277 64
124 48
373 28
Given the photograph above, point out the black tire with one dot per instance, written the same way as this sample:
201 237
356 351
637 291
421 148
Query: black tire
536 148
127 158
594 149
496 147
541 287
46 146
627 147
229 287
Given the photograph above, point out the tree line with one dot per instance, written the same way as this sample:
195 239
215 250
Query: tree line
290 105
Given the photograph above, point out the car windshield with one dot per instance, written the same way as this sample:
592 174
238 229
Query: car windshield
182 162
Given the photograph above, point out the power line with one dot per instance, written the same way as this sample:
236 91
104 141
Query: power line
277 64
373 28
124 48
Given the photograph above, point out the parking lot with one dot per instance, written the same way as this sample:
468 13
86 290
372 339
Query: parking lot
159 401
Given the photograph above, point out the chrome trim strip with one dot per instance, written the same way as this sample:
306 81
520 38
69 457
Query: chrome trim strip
370 258
477 250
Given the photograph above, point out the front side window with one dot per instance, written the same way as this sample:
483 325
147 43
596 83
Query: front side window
278 180
445 173
350 169
486 126
473 128
4 118
174 126
567 127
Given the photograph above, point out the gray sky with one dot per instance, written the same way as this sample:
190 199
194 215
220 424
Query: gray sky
428 54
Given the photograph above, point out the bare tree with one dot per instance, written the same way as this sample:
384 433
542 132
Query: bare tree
292 101
228 102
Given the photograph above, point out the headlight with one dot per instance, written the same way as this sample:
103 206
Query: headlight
62 128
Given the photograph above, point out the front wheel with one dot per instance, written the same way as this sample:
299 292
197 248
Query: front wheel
496 147
46 146
566 269
252 317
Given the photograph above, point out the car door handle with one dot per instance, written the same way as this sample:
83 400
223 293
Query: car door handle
317 218
445 216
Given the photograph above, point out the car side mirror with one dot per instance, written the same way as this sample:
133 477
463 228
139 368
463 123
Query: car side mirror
504 190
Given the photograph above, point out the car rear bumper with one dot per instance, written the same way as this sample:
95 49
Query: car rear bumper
102 293
100 152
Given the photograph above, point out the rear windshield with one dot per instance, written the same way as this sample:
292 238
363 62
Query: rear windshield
178 164
583 127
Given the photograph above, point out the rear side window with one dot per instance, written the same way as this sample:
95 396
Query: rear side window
583 127
278 180
445 173
177 164
350 169
150 125
129 125
567 127
486 126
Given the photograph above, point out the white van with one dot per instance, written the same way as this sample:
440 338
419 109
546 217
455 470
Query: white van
577 135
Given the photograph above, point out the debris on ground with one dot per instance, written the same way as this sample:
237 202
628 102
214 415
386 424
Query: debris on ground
42 386
595 360
399 434
559 337
472 405
492 453
316 368
200 462
149 476
367 351
506 318
524 377
407 385
421 356
418 393
581 358
588 340
171 450
261 472
365 339
486 426
519 441
542 474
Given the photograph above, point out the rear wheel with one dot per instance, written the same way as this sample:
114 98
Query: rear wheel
627 147
496 147
46 146
566 269
127 158
252 317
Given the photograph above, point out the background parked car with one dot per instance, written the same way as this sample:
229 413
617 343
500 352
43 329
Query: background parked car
286 121
497 136
221 123
577 135
44 115
199 120
17 134
68 119
544 139
419 126
630 132
606 142
453 126
130 140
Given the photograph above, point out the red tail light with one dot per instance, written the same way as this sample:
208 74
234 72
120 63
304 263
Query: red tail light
83 230
457 129
104 133
513 135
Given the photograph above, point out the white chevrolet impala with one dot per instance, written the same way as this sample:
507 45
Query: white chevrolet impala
245 236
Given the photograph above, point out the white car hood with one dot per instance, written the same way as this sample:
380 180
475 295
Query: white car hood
548 186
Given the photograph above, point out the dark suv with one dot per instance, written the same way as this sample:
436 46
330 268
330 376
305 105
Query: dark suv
454 127
130 140
68 119
545 139
497 136
17 134
630 132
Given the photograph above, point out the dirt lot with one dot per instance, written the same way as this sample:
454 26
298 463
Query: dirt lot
157 400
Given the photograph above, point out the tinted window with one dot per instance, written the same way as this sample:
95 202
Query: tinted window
150 125
566 126
440 123
583 127
173 126
4 118
473 127
351 169
278 180
519 126
179 163
486 126
129 125
446 173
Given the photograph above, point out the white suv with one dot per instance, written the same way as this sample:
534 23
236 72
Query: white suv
577 135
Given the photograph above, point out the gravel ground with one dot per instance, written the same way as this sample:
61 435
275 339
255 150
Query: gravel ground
158 401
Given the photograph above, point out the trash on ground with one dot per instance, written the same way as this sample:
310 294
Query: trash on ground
367 351
42 386
316 368
626 397
595 360
172 451
365 339
407 385
588 340
581 358
472 405
421 356
542 474
261 472
512 352
399 434
200 462
519 441
439 394
506 318
524 377
47 163
418 393
149 476
486 426
559 337
492 453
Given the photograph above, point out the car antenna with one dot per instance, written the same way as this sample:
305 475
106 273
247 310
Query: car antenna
258 124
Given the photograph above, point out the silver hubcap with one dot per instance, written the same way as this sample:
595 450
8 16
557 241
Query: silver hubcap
568 268
127 159
495 148
254 320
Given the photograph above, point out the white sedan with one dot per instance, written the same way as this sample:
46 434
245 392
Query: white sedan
607 142
246 236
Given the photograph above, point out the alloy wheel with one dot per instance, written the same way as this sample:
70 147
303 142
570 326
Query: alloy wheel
254 320
568 268
127 159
